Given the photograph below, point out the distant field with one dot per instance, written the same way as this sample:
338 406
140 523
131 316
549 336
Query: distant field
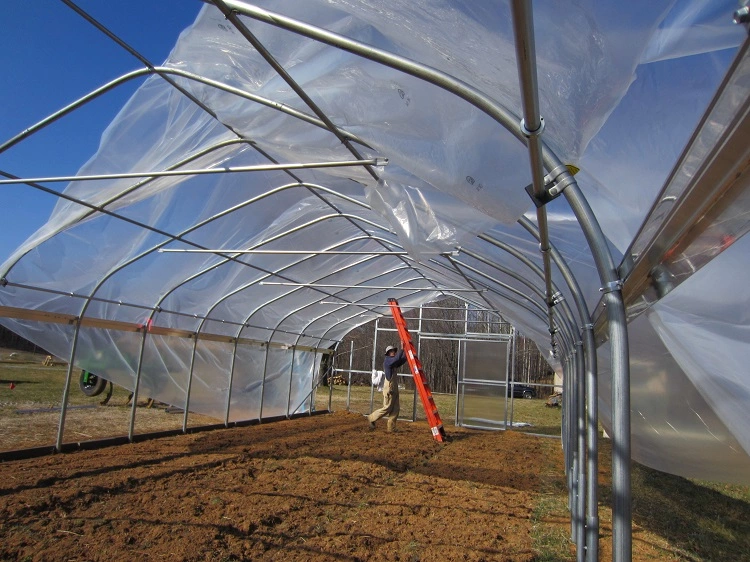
30 411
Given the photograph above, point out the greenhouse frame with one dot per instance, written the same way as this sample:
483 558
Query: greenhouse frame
579 169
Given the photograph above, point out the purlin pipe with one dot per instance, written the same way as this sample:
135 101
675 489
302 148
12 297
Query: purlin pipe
587 220
617 360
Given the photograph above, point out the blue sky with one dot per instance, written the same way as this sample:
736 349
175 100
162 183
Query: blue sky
51 57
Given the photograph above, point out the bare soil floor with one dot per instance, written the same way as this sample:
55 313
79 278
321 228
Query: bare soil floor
314 488
318 488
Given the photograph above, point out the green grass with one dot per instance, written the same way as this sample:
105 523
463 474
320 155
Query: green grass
550 517
699 521
708 520
551 542
42 387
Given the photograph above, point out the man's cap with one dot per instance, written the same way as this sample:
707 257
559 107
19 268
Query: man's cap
389 349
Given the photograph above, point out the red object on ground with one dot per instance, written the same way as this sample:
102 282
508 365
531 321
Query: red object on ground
12 385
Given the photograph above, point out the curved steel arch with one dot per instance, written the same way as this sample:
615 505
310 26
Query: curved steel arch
165 70
323 337
305 306
539 153
327 313
312 222
501 114
156 307
609 278
302 333
395 288
205 318
566 317
101 208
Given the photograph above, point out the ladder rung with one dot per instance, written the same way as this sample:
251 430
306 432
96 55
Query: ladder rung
416 368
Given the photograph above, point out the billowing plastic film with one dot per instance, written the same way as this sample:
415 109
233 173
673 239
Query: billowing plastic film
426 221
705 323
674 429
621 90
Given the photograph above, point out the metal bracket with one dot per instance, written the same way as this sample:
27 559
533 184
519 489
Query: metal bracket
528 134
554 184
611 287
3 282
586 327
555 299
742 15
663 280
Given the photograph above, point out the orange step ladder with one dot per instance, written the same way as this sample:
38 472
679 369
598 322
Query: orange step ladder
420 381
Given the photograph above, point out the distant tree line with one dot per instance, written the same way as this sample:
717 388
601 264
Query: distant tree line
11 340
439 356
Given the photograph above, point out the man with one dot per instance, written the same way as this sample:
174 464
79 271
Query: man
391 406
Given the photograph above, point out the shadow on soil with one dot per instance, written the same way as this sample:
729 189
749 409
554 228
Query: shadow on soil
16 382
410 449
702 523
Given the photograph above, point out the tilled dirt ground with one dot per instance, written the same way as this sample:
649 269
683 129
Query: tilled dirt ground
313 488
316 488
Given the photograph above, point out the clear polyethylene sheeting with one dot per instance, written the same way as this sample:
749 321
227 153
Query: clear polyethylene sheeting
621 89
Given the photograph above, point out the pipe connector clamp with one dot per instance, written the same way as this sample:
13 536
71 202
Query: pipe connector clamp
528 134
611 287
555 299
742 15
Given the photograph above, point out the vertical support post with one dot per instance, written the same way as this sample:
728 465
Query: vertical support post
66 388
263 381
459 384
313 382
512 358
592 448
621 487
566 416
573 474
419 353
330 379
291 377
190 384
374 365
349 376
137 385
581 447
231 383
